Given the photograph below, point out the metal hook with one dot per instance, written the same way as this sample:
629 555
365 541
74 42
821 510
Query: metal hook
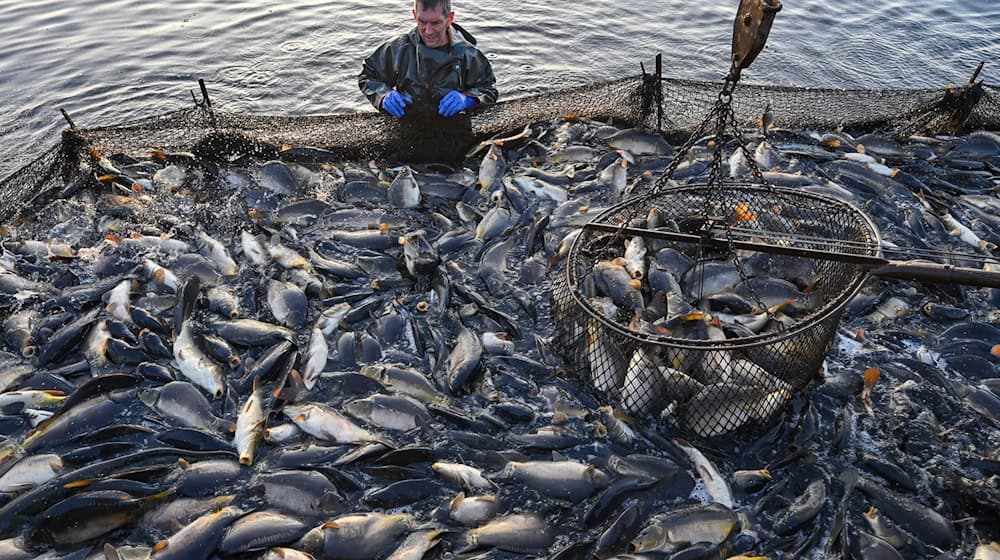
750 31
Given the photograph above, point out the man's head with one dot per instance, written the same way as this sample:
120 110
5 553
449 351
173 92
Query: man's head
433 18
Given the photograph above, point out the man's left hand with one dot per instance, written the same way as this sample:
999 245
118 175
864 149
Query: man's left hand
454 103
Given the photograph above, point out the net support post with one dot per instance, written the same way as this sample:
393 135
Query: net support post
66 116
659 93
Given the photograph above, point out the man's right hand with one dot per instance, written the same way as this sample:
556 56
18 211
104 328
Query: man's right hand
395 103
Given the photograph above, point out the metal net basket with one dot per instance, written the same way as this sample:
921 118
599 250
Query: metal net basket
680 369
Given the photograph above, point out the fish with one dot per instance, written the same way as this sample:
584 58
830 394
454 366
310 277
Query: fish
472 511
884 529
635 257
872 547
464 359
406 381
316 356
567 480
767 119
537 188
615 176
31 471
715 483
492 168
804 509
931 527
614 281
643 390
377 380
277 177
254 250
751 480
493 265
987 551
620 530
404 191
182 404
260 530
250 332
90 514
198 539
638 142
303 493
607 365
711 523
963 232
356 536
393 412
216 252
419 256
417 544
469 478
328 424
222 300
196 366
523 533
495 222
250 425
288 304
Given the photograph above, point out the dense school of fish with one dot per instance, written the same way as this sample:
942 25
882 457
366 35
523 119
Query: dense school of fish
309 358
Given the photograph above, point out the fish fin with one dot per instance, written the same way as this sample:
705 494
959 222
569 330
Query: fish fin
79 483
162 545
111 553
159 495
556 456
456 500
330 525
871 377
183 463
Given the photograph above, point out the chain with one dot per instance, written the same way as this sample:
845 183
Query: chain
723 116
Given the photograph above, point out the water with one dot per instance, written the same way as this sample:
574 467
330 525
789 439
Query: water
110 61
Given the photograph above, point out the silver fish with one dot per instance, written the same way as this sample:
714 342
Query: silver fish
325 423
250 425
404 191
196 366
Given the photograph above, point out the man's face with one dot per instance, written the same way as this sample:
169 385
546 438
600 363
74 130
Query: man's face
432 24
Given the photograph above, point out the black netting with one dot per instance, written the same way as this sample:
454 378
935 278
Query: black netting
711 383
627 101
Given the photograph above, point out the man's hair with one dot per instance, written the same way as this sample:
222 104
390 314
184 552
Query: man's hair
428 4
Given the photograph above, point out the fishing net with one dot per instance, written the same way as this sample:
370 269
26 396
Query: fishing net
675 108
706 385
713 385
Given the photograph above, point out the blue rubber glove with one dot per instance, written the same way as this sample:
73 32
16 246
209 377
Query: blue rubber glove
395 103
454 103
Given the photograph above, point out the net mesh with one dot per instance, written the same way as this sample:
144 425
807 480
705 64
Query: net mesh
630 101
707 385
680 370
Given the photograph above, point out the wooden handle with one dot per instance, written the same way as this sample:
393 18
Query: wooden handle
937 273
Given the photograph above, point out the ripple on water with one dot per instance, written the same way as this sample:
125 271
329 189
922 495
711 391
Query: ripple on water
53 50
296 46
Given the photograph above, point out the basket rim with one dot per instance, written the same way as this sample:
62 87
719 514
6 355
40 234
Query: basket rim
834 307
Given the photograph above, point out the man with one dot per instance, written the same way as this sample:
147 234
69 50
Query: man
434 67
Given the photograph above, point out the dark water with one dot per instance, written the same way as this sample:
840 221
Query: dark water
109 61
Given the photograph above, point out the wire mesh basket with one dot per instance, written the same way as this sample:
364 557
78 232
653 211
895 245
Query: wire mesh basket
712 364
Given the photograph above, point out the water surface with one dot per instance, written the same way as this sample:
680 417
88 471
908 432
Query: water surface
110 61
